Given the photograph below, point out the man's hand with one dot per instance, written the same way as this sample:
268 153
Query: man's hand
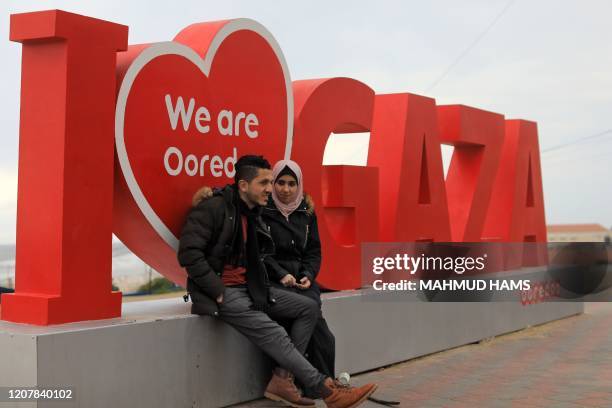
304 283
288 280
220 299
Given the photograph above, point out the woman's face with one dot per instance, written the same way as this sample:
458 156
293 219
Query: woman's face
286 188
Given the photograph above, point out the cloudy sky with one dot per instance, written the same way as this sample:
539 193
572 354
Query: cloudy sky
547 61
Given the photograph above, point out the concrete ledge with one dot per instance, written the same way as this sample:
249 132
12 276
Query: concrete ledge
158 355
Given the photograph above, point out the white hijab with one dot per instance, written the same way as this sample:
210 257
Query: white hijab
287 209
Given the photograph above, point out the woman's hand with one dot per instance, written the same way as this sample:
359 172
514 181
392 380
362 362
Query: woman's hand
207 192
203 193
288 280
304 283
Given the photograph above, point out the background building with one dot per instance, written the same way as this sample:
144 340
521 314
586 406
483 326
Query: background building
578 233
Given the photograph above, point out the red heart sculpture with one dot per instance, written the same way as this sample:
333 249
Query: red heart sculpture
186 110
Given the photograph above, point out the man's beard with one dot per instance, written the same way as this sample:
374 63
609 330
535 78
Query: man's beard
253 199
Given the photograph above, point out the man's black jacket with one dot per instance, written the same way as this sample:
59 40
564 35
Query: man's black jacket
207 241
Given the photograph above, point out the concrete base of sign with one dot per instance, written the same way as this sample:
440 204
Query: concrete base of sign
157 355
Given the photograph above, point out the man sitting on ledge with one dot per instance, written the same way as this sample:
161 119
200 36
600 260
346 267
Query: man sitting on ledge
222 246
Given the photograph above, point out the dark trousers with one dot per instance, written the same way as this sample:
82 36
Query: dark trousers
264 331
321 349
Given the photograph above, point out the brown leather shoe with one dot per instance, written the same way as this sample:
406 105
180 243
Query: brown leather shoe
337 395
282 388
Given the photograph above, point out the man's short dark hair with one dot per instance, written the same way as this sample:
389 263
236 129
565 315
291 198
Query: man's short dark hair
247 167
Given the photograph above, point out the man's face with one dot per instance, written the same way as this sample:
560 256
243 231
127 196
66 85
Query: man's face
259 189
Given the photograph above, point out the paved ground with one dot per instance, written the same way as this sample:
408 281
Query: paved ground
563 364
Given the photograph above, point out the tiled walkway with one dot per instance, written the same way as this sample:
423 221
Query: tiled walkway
563 364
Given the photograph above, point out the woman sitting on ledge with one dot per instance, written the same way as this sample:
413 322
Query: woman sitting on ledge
297 259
